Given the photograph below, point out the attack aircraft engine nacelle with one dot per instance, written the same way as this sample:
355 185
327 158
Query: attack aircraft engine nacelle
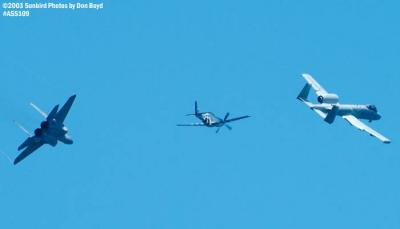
38 132
328 98
44 125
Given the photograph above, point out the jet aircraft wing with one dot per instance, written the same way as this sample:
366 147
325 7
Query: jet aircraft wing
361 126
63 112
31 147
238 118
192 124
315 85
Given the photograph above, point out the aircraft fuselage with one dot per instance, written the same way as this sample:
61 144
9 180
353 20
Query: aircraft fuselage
54 132
359 111
209 119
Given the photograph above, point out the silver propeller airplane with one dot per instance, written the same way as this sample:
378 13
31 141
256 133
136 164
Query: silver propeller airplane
209 119
329 107
50 132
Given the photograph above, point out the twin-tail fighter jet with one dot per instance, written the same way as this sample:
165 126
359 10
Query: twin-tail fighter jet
329 107
209 119
51 130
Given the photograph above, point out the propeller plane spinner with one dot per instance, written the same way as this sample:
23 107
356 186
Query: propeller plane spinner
329 107
209 119
50 132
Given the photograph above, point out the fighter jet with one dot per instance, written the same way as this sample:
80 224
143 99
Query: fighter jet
209 119
329 107
51 130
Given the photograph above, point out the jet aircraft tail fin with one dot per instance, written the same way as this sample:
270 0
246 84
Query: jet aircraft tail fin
63 112
52 114
330 118
303 96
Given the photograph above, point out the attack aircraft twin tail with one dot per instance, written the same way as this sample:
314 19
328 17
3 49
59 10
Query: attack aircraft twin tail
329 107
209 119
51 130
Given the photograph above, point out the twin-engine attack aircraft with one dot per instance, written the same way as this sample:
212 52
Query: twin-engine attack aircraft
50 132
329 108
209 119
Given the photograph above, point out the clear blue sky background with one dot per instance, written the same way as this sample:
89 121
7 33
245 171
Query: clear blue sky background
138 66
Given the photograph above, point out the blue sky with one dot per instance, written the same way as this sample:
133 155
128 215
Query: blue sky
137 68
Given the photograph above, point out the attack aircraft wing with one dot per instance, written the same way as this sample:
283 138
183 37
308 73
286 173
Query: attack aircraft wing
361 126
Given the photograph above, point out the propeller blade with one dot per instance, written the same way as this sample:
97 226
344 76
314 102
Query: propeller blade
228 126
218 130
226 116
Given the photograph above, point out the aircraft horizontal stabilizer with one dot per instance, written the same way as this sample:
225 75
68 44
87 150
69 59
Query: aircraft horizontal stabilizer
25 143
315 85
30 149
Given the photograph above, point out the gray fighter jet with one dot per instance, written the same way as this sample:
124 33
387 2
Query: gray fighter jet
329 107
209 119
51 130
